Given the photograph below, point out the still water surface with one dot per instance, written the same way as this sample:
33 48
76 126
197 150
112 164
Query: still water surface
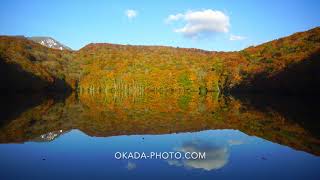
77 136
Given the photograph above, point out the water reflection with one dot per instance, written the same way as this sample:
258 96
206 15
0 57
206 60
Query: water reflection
80 135
75 155
112 114
131 165
217 155
50 136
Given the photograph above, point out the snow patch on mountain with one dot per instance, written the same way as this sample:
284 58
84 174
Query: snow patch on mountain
49 42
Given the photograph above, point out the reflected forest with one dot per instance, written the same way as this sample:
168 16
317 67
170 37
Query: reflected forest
284 120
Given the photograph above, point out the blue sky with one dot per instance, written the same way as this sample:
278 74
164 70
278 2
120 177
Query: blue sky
222 25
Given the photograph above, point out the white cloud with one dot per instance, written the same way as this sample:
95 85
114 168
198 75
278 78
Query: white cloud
236 38
174 17
130 13
198 23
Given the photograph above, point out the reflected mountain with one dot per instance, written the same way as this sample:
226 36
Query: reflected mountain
50 136
116 113
300 109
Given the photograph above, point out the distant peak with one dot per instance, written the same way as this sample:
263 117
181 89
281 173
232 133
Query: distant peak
49 42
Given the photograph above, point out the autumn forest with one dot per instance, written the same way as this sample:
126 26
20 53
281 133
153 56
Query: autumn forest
287 65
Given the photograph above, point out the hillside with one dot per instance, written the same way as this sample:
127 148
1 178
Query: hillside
29 66
287 65
140 68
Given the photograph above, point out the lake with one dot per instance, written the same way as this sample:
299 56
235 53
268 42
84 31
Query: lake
78 136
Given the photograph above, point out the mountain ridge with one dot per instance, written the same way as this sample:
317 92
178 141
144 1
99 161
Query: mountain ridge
99 67
49 42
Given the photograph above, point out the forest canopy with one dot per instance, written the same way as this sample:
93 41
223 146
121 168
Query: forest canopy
286 65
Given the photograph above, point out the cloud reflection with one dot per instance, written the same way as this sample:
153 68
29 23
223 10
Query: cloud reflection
131 165
217 155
